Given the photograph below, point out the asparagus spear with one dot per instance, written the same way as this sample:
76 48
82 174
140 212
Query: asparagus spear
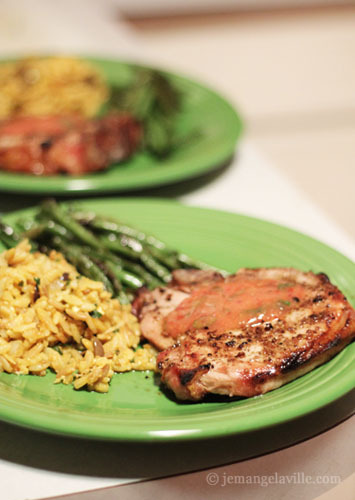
129 279
155 100
50 227
58 213
82 262
107 225
168 256
136 251
8 235
130 273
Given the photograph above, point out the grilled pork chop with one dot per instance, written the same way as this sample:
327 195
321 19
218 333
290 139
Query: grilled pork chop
47 145
152 307
245 334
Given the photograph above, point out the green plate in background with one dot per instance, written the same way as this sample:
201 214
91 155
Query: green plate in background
203 110
135 409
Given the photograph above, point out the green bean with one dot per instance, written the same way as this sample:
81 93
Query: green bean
170 261
128 242
107 261
134 269
120 273
34 232
48 227
114 230
90 262
102 253
160 251
26 223
83 263
8 235
133 274
144 257
149 279
57 213
116 246
186 261
116 284
122 295
98 222
162 272
128 279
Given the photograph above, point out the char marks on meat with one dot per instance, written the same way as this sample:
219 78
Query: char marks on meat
245 334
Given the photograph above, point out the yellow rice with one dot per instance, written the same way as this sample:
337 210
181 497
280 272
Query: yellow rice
50 85
52 317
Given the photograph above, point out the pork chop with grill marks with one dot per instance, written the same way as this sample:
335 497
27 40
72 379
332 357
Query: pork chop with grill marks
245 334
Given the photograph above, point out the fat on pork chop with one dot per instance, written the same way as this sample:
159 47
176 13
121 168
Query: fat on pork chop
245 334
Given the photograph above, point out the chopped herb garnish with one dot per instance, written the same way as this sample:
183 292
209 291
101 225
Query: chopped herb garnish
67 284
284 302
57 348
21 283
36 294
95 314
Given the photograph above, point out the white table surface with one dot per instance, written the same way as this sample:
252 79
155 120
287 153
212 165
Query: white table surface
250 185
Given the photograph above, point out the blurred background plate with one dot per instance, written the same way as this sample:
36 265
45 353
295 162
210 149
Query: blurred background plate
214 125
136 409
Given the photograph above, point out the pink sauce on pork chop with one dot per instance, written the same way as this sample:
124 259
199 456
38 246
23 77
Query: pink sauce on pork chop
228 304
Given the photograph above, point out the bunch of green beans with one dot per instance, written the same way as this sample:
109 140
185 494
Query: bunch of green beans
123 258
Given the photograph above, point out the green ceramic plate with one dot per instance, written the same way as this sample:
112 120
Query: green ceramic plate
135 409
217 123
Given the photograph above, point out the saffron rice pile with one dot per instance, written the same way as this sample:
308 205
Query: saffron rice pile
52 317
50 85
